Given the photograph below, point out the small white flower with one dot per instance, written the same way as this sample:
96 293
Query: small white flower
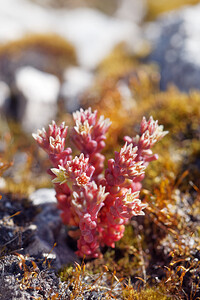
131 197
138 169
61 175
83 128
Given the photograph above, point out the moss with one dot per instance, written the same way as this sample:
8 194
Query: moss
56 52
172 108
48 42
66 272
121 81
116 63
82 282
108 7
148 293
175 110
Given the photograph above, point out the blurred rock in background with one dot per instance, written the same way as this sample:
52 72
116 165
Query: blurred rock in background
76 82
134 10
40 93
4 95
175 39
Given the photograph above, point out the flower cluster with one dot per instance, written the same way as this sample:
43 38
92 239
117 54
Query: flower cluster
98 202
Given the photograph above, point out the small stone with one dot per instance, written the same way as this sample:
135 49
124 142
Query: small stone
43 196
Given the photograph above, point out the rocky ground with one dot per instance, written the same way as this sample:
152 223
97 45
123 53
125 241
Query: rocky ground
33 249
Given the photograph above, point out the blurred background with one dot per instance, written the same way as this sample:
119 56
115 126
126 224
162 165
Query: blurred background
51 50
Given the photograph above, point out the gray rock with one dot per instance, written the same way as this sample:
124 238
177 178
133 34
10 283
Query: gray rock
37 102
176 45
50 230
4 95
43 196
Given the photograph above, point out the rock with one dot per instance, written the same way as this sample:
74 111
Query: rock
77 81
93 33
18 17
4 95
134 10
43 196
34 230
16 232
37 104
175 43
50 230
2 183
13 237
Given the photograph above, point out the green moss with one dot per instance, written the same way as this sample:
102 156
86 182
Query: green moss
66 272
148 293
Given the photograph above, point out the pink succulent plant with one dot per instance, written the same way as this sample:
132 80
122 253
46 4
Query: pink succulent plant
99 203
